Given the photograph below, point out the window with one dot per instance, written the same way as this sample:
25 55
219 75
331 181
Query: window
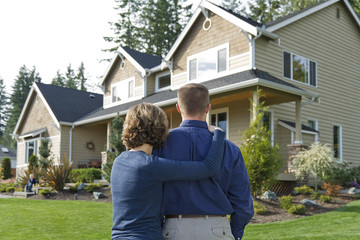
31 149
299 68
314 125
163 81
337 141
209 62
267 121
123 90
219 118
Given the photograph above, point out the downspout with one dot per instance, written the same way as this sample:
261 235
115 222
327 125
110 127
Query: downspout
144 77
252 45
310 101
70 142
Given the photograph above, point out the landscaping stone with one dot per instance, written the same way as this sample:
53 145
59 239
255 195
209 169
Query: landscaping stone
269 195
308 202
81 186
98 195
353 190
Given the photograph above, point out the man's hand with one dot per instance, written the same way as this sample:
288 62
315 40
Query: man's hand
213 128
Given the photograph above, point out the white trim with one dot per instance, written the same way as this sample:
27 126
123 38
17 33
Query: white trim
340 139
36 148
34 133
222 110
125 90
271 125
292 129
213 52
316 128
239 56
159 75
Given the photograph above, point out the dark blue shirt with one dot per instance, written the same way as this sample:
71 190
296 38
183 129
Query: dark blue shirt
137 187
227 193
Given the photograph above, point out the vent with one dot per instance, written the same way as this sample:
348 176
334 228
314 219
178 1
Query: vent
5 150
338 13
92 95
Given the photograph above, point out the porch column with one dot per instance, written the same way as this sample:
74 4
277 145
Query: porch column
298 136
108 131
255 106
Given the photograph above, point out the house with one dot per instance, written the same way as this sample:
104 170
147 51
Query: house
50 112
6 152
307 65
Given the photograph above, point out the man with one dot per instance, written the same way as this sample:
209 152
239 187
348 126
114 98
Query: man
197 210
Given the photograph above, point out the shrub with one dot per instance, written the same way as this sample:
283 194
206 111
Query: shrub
10 189
297 209
74 188
23 180
331 188
85 175
6 168
57 176
303 190
262 158
259 208
45 192
286 202
325 199
315 195
92 186
317 160
3 187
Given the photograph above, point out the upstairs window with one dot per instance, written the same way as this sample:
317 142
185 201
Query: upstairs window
299 68
162 82
30 149
123 90
208 63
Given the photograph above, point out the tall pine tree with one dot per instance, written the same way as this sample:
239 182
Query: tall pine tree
356 5
265 11
3 107
59 80
234 5
290 6
80 77
20 91
70 80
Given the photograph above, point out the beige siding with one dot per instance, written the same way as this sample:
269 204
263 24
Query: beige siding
65 140
198 40
240 61
20 153
81 136
178 80
334 44
55 147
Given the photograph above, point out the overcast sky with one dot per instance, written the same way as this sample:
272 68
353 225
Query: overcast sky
50 34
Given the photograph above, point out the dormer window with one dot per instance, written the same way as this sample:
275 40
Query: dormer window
208 63
162 82
123 90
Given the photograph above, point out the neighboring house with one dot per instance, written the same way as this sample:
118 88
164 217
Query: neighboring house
307 65
6 152
50 112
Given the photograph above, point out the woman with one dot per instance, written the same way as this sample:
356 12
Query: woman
137 176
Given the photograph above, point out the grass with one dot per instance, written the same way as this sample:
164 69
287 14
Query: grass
48 219
340 224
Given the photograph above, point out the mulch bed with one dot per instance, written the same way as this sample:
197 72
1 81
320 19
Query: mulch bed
275 213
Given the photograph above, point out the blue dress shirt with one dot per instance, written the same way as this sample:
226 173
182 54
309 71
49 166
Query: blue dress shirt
227 193
137 187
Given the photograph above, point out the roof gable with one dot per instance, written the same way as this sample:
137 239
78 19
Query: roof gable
141 61
284 21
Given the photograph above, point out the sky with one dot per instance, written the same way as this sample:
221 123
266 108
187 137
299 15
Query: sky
51 34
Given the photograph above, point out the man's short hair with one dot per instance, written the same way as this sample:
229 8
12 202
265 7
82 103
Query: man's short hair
145 123
193 99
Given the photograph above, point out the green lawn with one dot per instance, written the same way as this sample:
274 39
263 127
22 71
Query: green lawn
341 224
48 219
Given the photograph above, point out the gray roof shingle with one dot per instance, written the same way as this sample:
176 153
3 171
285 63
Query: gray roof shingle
69 104
144 59
212 84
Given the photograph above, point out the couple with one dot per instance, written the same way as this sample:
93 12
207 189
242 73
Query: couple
194 209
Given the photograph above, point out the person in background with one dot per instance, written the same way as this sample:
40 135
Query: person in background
32 181
137 176
196 210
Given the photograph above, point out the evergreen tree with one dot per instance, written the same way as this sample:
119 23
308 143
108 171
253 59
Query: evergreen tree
80 77
21 89
356 5
59 80
3 107
233 5
265 11
70 78
290 6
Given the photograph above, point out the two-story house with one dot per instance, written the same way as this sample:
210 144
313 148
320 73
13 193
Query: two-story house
307 65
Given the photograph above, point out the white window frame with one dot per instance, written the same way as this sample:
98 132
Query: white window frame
340 140
316 128
158 76
271 125
120 83
36 148
222 110
291 69
208 52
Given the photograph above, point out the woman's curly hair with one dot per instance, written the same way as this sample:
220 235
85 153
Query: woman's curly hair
145 123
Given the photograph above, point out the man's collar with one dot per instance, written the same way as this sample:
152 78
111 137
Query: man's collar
194 123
